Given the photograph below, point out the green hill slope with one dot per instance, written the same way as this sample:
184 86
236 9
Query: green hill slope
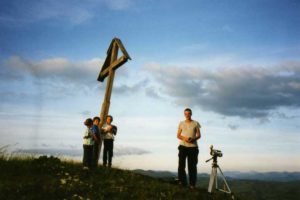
247 189
49 178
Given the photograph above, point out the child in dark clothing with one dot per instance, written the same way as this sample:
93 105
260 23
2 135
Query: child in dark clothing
98 141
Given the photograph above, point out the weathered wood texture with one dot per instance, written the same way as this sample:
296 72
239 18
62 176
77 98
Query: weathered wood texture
111 63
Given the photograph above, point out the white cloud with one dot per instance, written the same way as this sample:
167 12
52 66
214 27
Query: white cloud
54 78
60 68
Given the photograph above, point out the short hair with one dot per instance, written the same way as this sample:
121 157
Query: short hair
188 109
88 122
111 117
96 118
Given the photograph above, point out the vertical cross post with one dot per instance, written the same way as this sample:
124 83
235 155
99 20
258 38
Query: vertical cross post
109 86
111 63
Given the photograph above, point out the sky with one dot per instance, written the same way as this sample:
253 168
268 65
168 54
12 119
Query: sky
234 63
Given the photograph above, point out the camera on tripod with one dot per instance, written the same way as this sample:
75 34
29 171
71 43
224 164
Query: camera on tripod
213 180
215 152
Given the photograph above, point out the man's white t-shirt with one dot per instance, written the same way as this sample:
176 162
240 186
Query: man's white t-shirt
189 129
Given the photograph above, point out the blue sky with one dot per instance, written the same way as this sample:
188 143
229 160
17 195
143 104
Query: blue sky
235 63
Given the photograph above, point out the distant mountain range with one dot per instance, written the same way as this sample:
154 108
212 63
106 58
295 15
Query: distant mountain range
76 152
265 176
73 152
260 176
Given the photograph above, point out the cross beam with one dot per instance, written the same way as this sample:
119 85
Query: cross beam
108 69
111 61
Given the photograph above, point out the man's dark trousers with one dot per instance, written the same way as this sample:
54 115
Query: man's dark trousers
108 151
191 154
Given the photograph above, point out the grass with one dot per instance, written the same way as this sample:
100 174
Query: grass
50 178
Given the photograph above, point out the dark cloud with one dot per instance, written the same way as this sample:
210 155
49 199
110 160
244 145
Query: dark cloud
237 91
233 127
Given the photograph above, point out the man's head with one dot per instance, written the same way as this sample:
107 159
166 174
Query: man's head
88 122
96 120
188 113
109 119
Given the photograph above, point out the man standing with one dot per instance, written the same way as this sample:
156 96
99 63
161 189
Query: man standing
109 131
188 134
98 140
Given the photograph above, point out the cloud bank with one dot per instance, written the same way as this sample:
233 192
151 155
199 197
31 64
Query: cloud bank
74 152
247 91
55 78
53 68
30 80
244 91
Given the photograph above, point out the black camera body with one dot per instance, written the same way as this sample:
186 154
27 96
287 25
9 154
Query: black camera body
215 152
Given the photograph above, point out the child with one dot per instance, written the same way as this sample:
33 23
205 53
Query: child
97 139
88 144
109 131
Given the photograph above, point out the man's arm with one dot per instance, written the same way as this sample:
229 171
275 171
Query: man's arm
95 138
181 137
198 135
114 129
94 134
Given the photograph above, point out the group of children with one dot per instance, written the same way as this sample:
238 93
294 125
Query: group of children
92 142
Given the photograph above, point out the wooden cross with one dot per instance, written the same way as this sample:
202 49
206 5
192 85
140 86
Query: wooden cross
112 62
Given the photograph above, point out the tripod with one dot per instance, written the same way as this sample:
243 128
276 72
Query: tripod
213 181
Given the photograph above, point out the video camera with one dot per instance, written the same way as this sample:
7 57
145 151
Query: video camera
215 152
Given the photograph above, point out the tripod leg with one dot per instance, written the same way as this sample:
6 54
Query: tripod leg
216 177
227 186
212 179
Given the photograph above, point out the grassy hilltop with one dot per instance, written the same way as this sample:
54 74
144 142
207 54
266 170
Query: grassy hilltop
50 178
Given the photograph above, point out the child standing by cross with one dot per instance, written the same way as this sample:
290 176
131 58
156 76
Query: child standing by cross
109 131
88 144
